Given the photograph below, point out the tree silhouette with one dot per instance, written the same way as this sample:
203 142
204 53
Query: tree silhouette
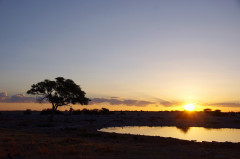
59 92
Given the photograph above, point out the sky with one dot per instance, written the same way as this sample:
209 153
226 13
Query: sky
137 54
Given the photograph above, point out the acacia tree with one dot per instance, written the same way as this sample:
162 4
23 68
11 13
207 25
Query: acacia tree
59 92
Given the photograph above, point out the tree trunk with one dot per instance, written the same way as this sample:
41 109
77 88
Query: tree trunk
53 107
50 119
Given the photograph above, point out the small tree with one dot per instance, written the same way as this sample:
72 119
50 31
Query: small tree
207 110
59 92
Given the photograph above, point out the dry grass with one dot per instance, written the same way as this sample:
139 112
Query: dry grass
105 148
32 145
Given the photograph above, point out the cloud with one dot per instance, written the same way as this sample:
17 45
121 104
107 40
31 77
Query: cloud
132 102
227 104
114 97
166 103
18 98
3 96
117 101
21 98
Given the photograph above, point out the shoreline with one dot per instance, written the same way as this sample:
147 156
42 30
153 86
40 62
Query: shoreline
20 120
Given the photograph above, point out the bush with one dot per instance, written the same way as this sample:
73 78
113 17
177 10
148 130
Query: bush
76 112
91 111
217 113
104 111
213 113
88 111
207 110
49 111
27 112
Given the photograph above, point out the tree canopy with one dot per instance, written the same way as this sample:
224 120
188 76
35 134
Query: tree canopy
59 92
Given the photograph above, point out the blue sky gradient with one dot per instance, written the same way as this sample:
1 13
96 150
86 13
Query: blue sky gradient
174 50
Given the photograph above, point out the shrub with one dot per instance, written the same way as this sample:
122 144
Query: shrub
91 111
76 112
87 111
27 112
217 113
104 111
207 110
50 111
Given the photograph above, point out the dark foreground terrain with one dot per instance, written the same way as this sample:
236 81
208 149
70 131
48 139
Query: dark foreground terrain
32 135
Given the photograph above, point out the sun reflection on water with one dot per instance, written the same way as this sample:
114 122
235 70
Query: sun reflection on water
186 133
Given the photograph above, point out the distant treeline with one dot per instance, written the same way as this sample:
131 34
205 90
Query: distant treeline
71 111
77 112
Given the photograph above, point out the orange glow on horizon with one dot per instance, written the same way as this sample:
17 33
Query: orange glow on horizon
39 107
189 107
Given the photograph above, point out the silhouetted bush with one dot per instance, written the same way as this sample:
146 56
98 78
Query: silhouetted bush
207 110
214 113
50 111
105 111
76 112
88 111
218 113
70 110
91 111
27 112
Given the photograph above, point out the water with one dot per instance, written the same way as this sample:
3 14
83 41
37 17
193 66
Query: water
198 134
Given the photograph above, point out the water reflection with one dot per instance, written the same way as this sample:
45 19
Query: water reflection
184 129
187 133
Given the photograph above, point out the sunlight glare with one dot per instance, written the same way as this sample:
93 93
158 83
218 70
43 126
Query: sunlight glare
189 107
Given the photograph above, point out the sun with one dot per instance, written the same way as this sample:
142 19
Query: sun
189 107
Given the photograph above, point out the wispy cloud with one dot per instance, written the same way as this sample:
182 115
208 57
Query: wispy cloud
118 101
165 103
227 104
3 96
18 98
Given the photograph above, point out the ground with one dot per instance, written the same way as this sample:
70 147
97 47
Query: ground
24 136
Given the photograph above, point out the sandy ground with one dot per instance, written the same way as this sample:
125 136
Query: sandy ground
76 136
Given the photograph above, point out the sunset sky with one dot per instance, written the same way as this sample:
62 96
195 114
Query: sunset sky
125 54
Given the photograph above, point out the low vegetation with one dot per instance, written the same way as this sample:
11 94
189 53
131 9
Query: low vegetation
91 111
84 143
216 112
102 111
50 111
27 112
